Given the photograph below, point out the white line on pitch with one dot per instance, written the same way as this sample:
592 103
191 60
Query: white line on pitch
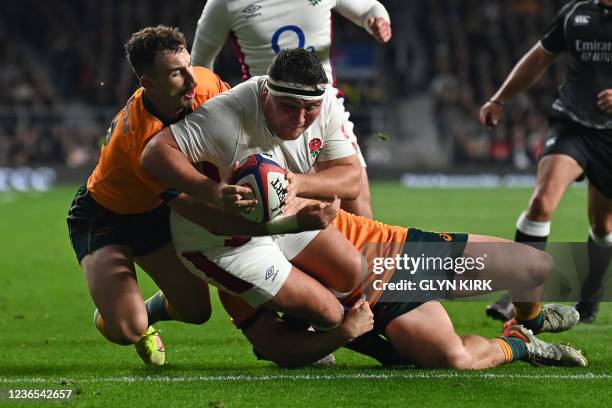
311 377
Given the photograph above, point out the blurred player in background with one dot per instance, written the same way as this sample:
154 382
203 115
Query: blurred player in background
259 30
579 142
120 216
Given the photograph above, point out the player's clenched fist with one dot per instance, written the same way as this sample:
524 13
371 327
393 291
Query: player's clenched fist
491 113
380 29
358 321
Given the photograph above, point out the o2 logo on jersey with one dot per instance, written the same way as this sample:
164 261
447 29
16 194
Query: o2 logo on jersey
291 30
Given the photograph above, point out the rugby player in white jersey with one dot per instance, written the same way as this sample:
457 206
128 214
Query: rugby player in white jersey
292 117
259 30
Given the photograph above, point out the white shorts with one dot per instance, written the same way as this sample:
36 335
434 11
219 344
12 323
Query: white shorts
254 270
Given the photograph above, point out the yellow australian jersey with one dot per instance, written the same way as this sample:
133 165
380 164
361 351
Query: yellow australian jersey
119 182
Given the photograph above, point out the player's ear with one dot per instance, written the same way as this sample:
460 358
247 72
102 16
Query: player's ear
146 82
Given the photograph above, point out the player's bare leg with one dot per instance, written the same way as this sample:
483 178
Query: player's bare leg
188 297
555 174
426 337
332 260
362 205
110 276
303 297
523 271
599 253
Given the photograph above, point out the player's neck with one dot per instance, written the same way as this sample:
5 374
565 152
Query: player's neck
606 2
156 107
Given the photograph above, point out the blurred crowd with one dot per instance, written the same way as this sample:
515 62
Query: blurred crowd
471 47
64 74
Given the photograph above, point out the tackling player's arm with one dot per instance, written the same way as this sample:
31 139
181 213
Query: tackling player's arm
369 14
164 160
211 32
315 216
291 347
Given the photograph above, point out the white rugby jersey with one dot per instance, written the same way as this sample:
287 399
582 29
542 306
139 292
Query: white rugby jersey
232 126
260 29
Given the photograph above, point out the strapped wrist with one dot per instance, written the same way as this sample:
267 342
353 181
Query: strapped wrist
283 224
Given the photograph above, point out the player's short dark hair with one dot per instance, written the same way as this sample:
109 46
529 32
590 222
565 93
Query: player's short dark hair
142 47
297 66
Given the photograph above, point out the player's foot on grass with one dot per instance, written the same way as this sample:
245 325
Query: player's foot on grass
502 310
558 318
555 318
327 361
540 352
588 311
150 348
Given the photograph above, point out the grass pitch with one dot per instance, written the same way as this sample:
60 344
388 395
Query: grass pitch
49 340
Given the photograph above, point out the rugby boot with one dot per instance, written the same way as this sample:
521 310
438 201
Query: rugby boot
542 353
502 310
556 318
327 361
587 310
150 348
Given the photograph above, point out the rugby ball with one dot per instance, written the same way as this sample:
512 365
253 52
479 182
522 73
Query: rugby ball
267 180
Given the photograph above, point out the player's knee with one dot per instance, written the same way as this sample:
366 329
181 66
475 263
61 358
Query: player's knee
541 268
125 332
541 208
354 277
328 315
196 316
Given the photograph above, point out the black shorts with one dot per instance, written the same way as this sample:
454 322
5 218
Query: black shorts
92 226
590 147
419 244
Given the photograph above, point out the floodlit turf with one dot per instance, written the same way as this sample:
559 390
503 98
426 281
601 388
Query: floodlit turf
49 340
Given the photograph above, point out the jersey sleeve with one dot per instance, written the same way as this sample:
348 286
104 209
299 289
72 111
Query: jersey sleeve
336 144
359 11
553 40
211 131
211 32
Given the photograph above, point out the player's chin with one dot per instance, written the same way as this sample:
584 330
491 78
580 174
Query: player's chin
187 101
292 133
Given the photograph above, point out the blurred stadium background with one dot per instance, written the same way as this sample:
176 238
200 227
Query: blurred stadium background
414 101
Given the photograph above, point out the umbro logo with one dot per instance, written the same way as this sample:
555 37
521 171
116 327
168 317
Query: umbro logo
251 9
551 141
271 274
582 20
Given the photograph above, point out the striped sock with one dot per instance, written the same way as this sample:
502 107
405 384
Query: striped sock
514 348
159 309
99 322
533 319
